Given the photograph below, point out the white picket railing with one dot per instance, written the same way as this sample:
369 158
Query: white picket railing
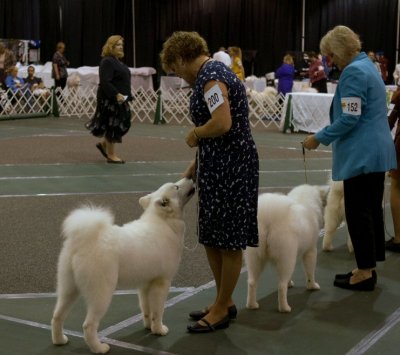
170 106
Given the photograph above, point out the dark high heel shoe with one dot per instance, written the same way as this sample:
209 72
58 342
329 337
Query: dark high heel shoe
198 328
365 285
197 315
350 274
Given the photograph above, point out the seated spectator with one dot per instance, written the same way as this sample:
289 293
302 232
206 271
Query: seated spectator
15 83
36 84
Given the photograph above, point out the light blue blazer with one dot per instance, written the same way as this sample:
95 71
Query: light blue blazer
360 137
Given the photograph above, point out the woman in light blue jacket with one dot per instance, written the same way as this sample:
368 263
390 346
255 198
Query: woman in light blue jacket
363 151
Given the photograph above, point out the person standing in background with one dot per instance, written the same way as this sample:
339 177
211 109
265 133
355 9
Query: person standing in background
112 118
59 71
393 244
285 75
223 57
7 60
237 65
316 74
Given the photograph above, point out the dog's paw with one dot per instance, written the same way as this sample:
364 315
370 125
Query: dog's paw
100 349
163 330
313 286
284 308
147 322
252 305
327 246
61 341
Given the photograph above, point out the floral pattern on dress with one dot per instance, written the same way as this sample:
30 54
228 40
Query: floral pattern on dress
227 168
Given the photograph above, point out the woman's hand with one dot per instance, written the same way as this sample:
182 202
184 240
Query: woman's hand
192 139
310 142
190 171
120 98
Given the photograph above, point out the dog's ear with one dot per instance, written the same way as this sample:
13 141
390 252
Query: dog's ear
165 204
145 201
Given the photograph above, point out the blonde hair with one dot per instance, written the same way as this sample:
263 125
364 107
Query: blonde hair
185 45
236 51
342 42
109 46
288 59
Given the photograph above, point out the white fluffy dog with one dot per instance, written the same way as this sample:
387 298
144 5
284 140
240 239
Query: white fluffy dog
288 226
98 256
334 215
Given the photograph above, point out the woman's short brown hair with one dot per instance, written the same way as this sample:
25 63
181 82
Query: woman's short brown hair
342 42
109 46
185 45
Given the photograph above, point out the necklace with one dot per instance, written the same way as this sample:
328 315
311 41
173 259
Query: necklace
202 65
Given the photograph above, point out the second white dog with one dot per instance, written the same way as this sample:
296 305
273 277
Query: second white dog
288 227
97 256
334 215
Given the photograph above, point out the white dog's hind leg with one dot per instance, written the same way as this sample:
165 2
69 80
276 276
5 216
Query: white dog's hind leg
285 270
67 293
157 294
309 263
333 216
144 306
255 266
98 300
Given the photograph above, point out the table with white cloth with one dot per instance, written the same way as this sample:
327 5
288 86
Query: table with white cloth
303 86
306 112
141 78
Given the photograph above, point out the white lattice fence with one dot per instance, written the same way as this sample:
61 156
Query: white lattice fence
265 109
24 103
171 106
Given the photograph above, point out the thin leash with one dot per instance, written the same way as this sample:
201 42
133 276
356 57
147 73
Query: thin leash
191 249
304 162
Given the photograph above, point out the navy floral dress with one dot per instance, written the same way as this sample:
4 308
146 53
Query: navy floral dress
227 168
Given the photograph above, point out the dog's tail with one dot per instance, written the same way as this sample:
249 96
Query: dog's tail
86 222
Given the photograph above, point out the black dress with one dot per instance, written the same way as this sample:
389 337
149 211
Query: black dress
227 168
112 120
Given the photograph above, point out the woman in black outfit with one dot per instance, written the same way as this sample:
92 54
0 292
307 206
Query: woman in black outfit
112 118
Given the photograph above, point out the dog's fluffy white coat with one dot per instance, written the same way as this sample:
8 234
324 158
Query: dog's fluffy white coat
98 256
288 227
334 215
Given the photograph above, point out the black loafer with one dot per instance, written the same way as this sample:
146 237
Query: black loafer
350 274
197 315
198 328
365 285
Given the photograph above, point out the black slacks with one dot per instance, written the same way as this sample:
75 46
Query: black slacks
363 196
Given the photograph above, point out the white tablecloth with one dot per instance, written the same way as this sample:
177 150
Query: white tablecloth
307 112
140 77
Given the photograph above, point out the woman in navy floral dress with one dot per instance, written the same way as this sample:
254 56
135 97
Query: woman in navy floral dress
225 169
